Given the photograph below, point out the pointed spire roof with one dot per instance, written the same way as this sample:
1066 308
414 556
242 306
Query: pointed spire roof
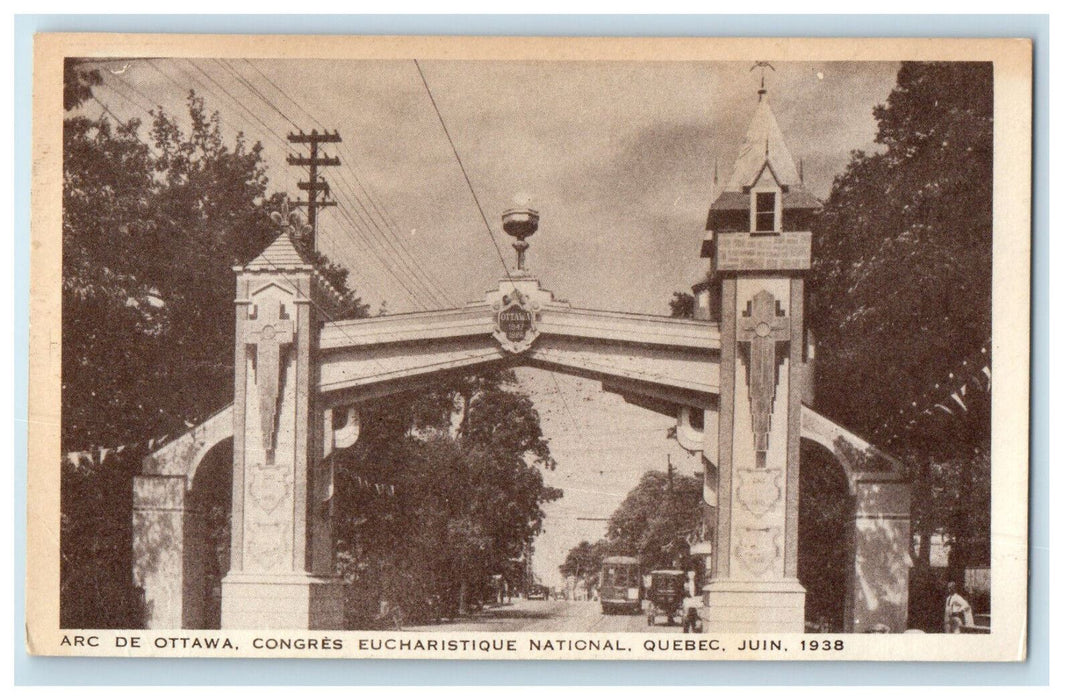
764 144
280 254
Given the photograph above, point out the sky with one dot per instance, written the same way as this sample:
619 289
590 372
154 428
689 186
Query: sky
618 157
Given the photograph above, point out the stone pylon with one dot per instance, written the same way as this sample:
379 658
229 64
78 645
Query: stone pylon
281 556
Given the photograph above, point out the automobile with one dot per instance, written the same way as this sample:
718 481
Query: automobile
537 592
666 594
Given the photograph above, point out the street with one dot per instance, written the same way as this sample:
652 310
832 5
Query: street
551 616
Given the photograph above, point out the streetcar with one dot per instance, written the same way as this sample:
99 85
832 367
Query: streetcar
620 585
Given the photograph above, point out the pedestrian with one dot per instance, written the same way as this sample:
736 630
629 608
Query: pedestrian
957 610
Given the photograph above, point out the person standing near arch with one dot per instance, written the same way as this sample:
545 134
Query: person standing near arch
957 611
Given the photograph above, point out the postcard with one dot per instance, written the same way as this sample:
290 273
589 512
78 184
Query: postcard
529 348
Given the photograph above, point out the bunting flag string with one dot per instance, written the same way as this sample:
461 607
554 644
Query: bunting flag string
97 455
953 397
381 489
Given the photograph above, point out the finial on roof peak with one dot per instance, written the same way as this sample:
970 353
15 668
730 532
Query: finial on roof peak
762 66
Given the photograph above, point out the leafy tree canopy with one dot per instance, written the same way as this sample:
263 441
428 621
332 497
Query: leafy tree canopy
153 221
901 295
901 291
652 524
465 460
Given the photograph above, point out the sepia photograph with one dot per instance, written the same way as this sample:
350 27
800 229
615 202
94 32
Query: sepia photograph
448 348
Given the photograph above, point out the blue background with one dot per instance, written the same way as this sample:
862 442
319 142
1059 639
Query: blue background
40 670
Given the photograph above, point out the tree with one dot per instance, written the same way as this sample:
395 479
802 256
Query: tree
903 252
682 305
464 461
150 235
655 519
901 292
582 561
153 220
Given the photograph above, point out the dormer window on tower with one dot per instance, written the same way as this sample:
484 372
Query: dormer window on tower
766 201
765 194
765 211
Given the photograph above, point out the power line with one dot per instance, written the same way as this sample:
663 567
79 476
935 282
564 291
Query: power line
227 66
333 321
486 223
461 165
268 131
416 298
343 194
187 90
417 269
119 122
558 390
391 228
261 255
402 250
115 88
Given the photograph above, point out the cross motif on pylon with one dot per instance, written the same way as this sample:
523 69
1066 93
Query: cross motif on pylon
762 325
269 328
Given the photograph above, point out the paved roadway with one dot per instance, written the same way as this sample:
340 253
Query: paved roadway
551 616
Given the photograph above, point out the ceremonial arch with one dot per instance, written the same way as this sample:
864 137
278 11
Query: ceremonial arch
737 378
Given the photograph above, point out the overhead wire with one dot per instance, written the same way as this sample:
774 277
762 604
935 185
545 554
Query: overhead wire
346 214
118 121
349 167
417 298
360 206
486 222
297 289
356 206
353 217
241 78
468 181
271 133
111 85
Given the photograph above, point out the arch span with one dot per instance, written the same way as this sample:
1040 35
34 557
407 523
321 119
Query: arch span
879 525
172 497
735 390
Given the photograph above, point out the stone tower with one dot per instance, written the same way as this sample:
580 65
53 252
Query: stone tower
760 252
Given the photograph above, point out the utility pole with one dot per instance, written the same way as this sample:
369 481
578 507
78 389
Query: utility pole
315 184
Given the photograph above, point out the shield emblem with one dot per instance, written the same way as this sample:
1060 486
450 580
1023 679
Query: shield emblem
515 322
269 487
267 546
759 490
757 549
